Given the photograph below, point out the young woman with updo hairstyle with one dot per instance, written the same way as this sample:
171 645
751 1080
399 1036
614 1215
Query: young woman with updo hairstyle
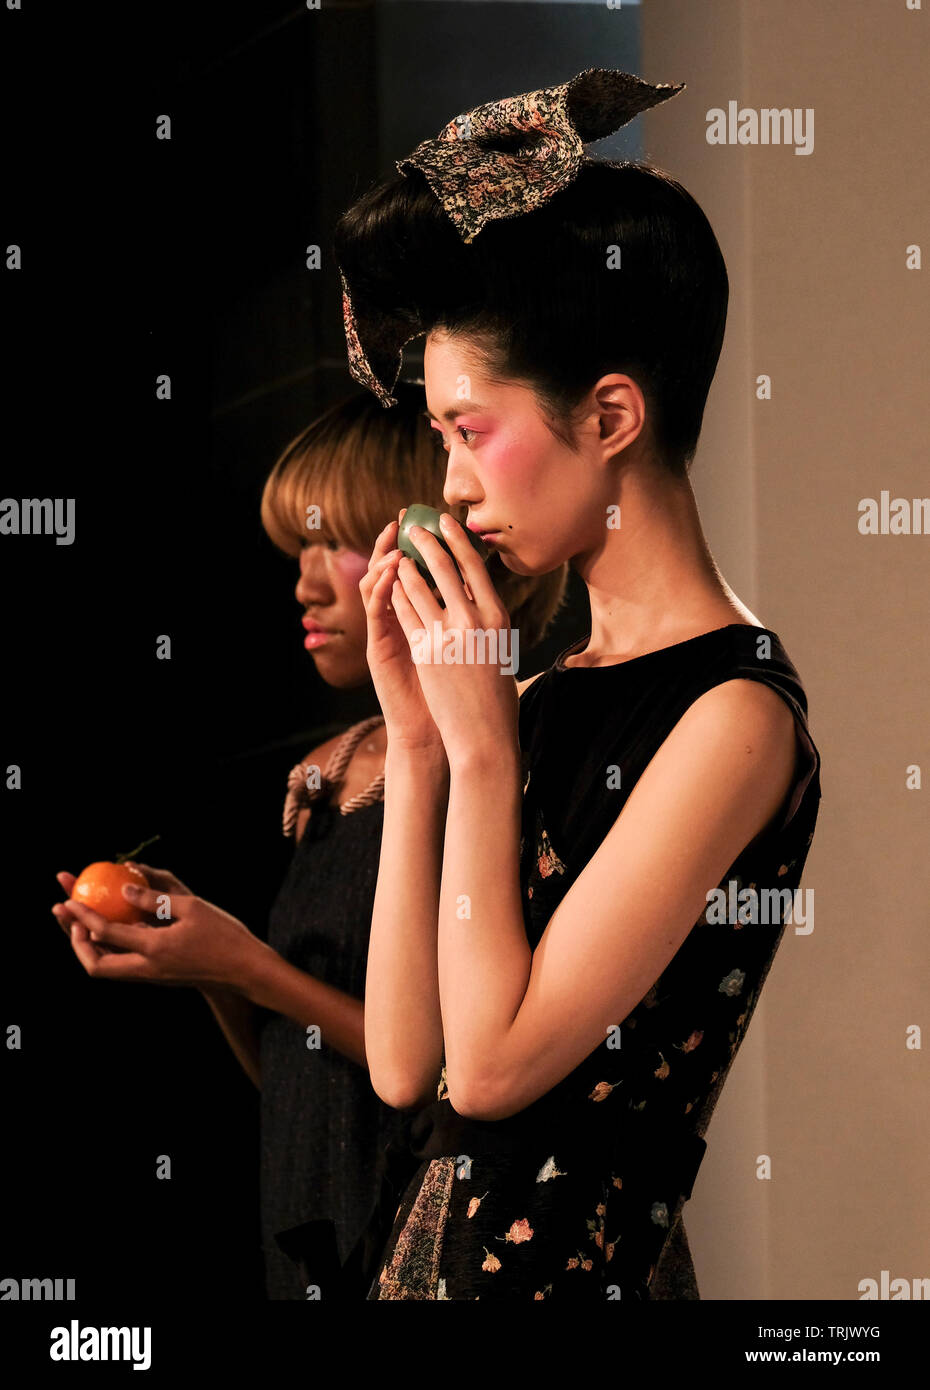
584 876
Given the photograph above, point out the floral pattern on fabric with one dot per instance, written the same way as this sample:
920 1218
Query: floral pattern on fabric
502 159
506 157
583 1203
547 861
419 1245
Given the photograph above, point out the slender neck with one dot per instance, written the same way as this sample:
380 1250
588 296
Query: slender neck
652 581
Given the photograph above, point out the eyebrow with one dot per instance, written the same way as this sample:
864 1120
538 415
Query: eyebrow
461 409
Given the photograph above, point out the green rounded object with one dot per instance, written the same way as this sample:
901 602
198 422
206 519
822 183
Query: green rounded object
419 514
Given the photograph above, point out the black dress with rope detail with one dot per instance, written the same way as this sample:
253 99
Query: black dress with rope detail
579 1196
322 1125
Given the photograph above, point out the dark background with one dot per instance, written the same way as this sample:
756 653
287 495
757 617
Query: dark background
184 257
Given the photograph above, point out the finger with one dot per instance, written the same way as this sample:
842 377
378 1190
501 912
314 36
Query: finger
60 911
379 598
128 967
85 950
109 966
163 880
75 932
128 936
63 918
98 927
390 559
418 593
85 915
385 542
407 615
473 568
157 901
441 566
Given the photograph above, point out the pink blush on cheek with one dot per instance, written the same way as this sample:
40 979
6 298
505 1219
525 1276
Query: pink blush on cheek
352 566
513 460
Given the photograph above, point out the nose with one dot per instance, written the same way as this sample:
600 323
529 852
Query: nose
313 584
461 487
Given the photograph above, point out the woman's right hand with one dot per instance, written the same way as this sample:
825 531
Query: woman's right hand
407 719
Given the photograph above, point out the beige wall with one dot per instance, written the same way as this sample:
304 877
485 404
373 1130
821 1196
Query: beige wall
821 300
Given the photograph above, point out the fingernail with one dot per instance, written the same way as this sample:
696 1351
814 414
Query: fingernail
130 890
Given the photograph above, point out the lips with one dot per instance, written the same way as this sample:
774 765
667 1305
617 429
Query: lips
311 626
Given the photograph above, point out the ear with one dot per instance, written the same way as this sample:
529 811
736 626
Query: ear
621 411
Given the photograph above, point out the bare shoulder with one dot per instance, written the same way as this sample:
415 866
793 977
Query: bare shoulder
748 706
322 752
522 685
717 780
744 722
364 766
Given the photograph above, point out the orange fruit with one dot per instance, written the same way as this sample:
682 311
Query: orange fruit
100 886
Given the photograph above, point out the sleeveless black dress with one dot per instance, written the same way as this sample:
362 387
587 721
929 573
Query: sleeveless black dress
579 1195
322 1126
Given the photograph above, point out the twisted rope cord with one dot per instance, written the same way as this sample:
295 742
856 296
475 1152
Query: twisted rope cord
299 794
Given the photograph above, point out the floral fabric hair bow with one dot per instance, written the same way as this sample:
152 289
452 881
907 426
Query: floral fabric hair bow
501 159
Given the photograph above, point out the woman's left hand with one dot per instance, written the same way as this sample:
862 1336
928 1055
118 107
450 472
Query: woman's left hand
468 674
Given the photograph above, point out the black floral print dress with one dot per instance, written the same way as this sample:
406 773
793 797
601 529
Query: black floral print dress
578 1196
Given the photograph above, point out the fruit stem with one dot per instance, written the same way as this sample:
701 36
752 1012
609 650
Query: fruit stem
121 858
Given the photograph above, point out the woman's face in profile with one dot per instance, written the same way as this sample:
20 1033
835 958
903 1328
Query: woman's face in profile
335 626
514 477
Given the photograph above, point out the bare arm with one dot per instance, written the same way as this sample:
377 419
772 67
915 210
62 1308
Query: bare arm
403 1018
516 1022
236 1017
403 1023
273 983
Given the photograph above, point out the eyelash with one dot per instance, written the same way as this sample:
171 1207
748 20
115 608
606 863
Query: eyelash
459 428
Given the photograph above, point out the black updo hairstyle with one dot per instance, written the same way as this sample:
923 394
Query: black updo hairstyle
536 294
